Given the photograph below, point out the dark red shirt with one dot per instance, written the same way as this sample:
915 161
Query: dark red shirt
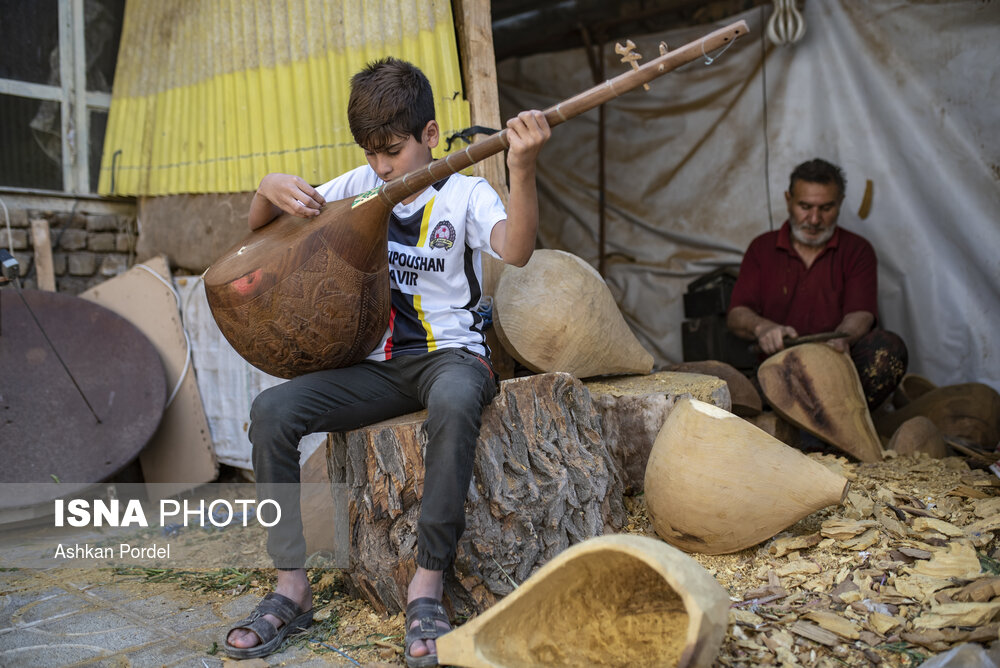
774 282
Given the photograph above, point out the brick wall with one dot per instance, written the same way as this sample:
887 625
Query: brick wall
87 247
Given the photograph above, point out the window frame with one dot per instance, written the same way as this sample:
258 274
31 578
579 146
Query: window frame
75 100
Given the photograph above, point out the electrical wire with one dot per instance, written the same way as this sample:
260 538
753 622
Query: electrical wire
767 151
187 339
10 235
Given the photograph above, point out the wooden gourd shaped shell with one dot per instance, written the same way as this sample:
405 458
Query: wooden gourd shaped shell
618 600
746 400
919 434
557 314
970 411
817 388
716 483
912 387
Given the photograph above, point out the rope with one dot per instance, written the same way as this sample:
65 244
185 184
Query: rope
767 151
709 60
343 654
786 25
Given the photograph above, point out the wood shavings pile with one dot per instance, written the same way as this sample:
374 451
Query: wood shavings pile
906 568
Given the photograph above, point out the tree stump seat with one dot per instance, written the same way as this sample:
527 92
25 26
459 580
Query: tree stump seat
553 462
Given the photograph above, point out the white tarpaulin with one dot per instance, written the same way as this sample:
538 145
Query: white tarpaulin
904 94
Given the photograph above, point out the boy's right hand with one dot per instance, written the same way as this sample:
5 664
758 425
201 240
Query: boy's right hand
291 194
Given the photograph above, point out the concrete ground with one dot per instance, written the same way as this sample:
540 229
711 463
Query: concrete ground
75 612
90 617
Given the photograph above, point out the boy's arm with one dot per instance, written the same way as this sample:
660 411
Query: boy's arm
514 239
286 193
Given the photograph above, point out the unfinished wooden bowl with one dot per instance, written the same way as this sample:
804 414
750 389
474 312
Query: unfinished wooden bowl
911 388
617 600
919 434
970 411
817 388
557 314
716 484
746 399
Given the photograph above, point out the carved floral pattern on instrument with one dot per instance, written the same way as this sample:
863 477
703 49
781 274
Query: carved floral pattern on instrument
342 303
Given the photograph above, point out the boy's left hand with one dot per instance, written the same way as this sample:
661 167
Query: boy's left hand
527 133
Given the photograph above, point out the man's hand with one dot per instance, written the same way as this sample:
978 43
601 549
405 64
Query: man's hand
291 194
855 325
840 345
771 336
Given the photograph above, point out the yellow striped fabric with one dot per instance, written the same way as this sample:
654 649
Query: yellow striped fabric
210 96
431 343
425 223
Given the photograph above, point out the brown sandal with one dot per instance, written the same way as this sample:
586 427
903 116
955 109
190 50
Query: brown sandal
285 609
427 612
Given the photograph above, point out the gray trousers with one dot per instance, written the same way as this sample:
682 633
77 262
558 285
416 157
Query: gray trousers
453 384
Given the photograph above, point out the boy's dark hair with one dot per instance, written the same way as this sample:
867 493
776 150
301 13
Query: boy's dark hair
818 171
389 98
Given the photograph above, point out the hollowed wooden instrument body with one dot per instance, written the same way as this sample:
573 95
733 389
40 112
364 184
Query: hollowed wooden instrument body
818 389
717 484
302 295
297 295
557 314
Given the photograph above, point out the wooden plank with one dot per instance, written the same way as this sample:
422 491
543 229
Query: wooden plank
324 509
42 243
179 456
815 633
479 74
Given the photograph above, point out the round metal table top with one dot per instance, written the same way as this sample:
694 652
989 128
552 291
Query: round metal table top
48 435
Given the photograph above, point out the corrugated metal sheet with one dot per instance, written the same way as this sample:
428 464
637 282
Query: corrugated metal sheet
210 96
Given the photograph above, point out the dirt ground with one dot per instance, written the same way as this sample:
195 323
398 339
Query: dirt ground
908 567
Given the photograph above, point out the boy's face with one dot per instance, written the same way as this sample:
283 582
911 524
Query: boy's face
404 154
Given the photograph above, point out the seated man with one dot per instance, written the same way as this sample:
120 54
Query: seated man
811 277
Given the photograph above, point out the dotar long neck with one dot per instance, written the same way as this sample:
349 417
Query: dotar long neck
400 188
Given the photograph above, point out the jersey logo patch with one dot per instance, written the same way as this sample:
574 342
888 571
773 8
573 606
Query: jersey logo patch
443 236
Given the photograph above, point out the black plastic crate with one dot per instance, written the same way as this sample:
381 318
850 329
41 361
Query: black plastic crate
709 294
708 338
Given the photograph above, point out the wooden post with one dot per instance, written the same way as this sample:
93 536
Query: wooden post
479 74
324 503
42 244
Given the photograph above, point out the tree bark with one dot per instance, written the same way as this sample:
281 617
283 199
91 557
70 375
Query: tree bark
543 480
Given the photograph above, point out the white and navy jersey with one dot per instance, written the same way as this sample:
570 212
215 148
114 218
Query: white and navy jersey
435 261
